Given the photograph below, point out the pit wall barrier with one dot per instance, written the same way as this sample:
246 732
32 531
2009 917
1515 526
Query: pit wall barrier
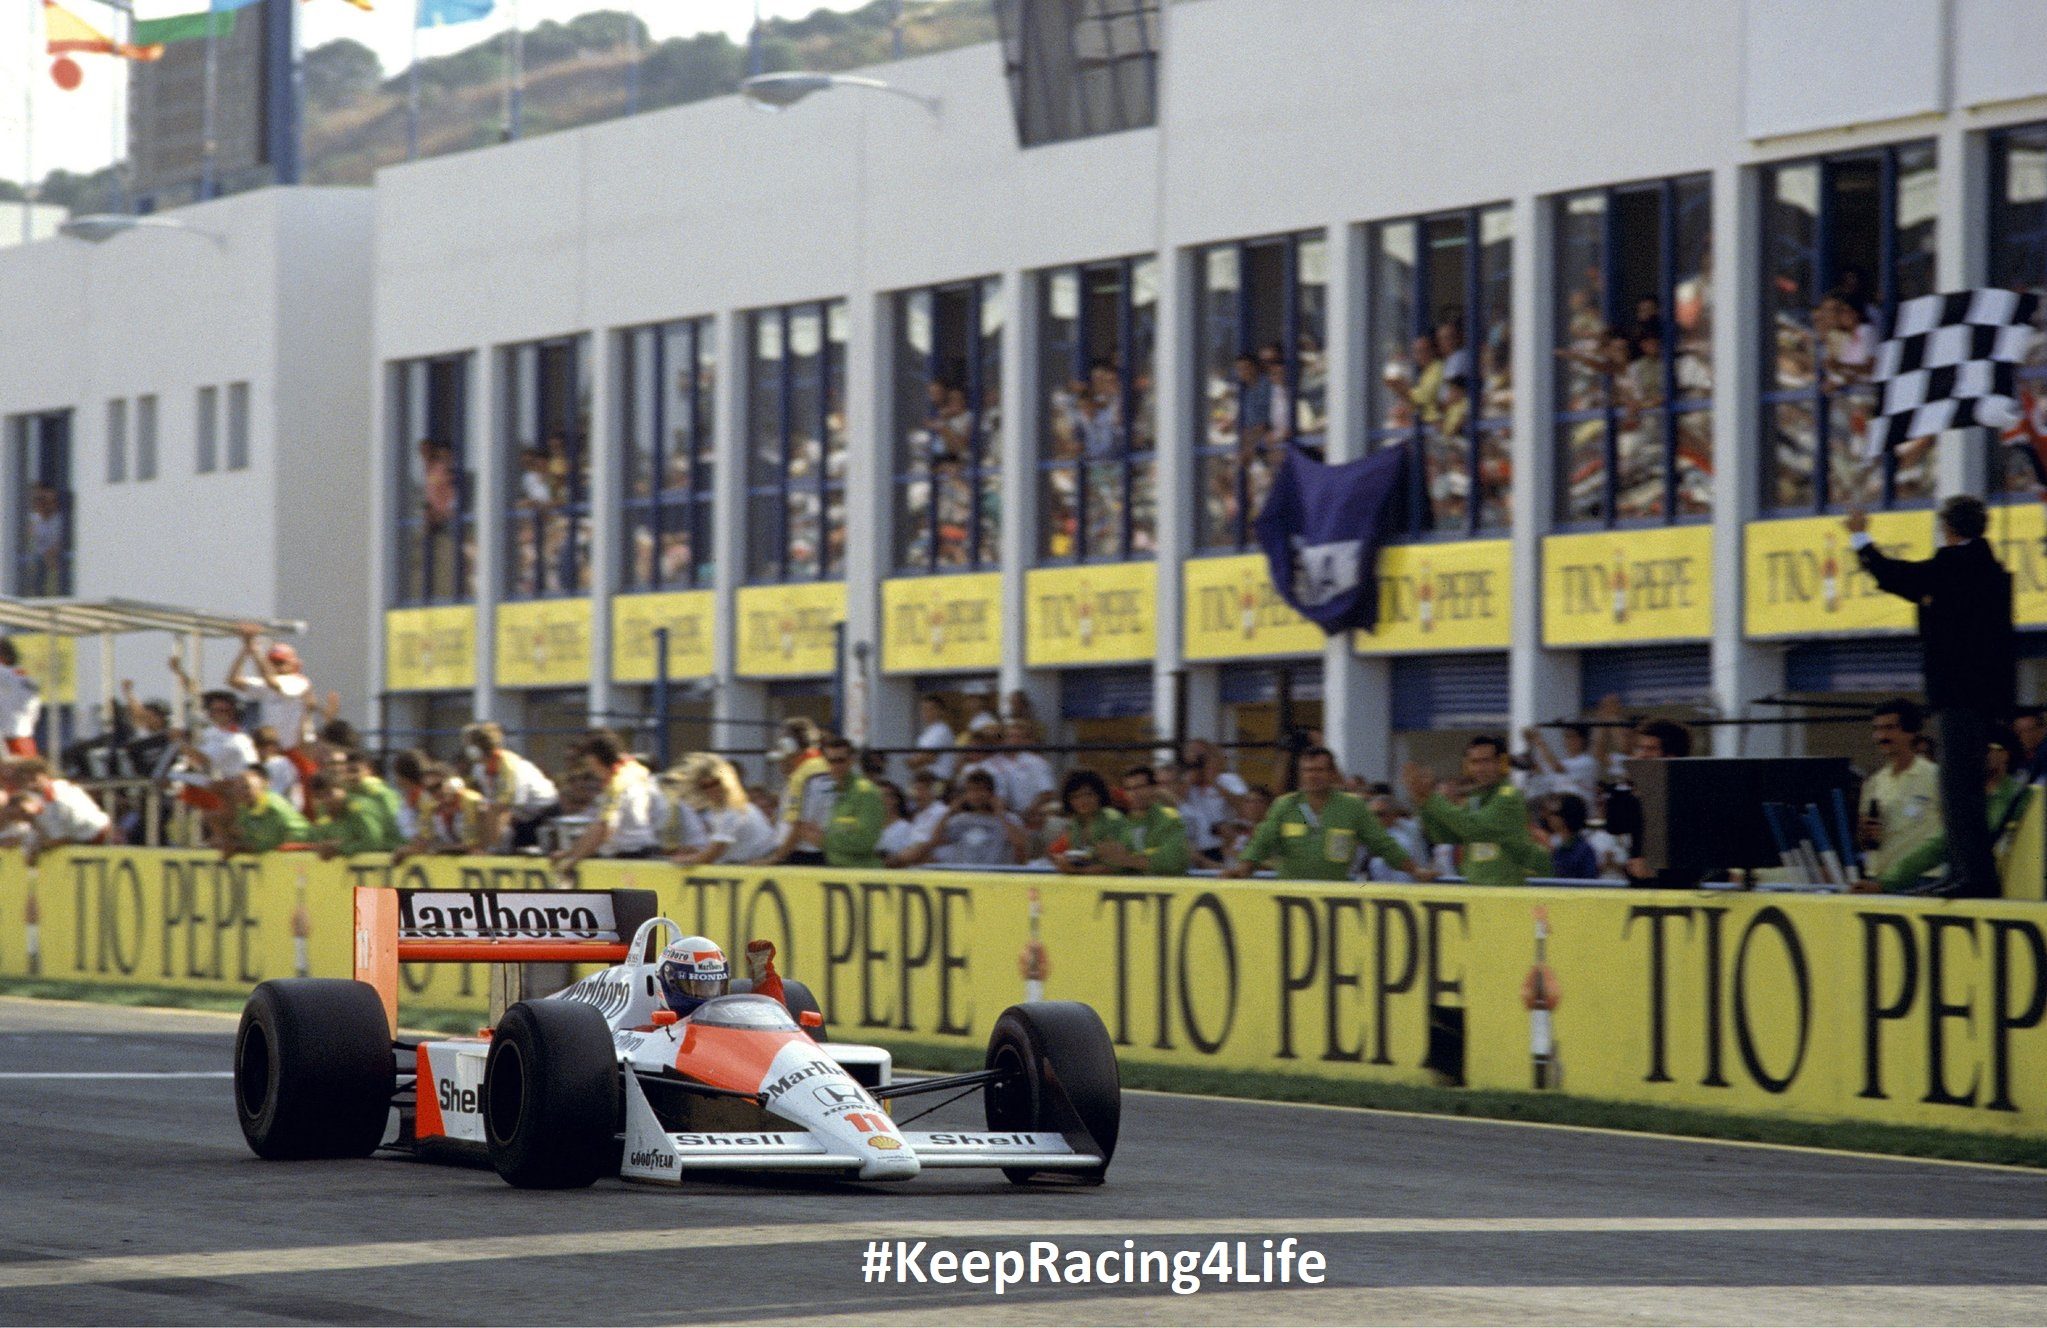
1866 1008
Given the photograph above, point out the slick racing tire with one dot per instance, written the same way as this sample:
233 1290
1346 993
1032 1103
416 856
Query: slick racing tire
551 1096
799 999
314 1073
1060 1076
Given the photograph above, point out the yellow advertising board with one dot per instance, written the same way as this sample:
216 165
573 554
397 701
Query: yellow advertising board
1106 614
1824 1008
543 643
1233 611
787 631
932 624
1617 586
1456 596
430 650
691 619
2019 533
52 661
1801 578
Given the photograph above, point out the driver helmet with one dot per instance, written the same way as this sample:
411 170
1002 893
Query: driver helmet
692 971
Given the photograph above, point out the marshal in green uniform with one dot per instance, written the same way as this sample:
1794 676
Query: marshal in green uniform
1309 845
1492 825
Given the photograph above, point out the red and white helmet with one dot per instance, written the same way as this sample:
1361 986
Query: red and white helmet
692 971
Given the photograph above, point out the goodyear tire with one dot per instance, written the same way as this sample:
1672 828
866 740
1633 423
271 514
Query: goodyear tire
799 999
1062 1077
551 1096
314 1073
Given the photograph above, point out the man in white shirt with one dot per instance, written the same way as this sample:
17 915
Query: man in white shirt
1210 798
21 703
517 796
1021 773
276 682
626 821
937 744
56 811
1576 771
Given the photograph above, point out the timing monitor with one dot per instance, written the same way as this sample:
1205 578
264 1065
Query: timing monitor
1705 813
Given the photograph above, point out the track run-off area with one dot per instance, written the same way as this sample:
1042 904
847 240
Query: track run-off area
131 1198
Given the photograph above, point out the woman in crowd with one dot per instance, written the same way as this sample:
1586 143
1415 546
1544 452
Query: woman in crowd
735 831
1090 821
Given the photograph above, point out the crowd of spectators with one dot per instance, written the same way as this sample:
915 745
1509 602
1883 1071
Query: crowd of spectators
268 768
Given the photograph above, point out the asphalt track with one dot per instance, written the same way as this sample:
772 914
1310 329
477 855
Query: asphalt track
134 1200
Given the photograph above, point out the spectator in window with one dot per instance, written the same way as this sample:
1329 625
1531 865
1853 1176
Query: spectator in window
1023 774
626 819
264 820
453 817
1450 345
1317 832
1847 343
1425 380
339 824
1091 824
277 684
735 832
438 492
1155 842
54 811
1901 802
1572 856
46 540
1908 871
975 831
1095 413
842 814
518 796
21 702
898 833
1576 771
1254 418
279 773
937 742
1491 821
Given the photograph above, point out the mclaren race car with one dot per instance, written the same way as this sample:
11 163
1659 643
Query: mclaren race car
603 1079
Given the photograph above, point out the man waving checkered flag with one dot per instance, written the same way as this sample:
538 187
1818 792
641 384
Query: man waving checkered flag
1950 363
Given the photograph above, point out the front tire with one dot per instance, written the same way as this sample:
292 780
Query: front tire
1062 1077
551 1096
314 1073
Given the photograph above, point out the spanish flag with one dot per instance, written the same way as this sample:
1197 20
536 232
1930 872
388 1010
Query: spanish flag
70 34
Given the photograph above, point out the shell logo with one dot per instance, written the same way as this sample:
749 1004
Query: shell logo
884 1143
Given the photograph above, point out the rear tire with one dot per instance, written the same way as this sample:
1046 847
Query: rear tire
1063 1078
551 1096
314 1073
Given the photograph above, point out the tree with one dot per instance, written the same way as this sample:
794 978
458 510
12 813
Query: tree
340 72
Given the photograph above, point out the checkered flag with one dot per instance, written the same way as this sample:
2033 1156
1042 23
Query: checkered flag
1950 363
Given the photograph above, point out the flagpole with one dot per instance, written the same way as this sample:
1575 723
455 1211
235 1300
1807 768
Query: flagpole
28 127
632 69
515 74
753 43
412 92
211 146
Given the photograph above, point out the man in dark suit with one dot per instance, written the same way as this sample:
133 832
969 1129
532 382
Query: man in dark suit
1971 664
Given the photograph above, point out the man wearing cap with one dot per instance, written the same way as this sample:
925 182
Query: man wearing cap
1964 601
281 691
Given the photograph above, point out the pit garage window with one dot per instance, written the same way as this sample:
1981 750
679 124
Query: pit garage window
1442 362
1845 239
2018 261
1263 310
1098 413
435 517
796 442
546 460
1634 362
668 388
1079 67
42 503
948 413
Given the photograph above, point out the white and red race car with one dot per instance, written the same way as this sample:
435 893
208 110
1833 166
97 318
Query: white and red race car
602 1079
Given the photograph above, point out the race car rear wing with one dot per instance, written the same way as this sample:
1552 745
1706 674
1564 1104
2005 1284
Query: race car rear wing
394 927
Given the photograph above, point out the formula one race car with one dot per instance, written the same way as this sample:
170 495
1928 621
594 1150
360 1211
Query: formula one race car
602 1079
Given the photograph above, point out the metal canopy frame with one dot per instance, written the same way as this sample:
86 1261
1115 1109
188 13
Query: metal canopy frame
109 618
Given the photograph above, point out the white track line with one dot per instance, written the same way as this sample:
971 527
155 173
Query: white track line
304 1259
117 1074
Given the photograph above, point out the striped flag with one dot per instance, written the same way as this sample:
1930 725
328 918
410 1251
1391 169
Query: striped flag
434 13
71 35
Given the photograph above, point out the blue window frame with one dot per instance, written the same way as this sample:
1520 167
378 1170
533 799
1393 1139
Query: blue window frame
435 516
1263 310
1098 422
42 503
1845 238
667 400
948 414
1634 337
547 468
796 442
1442 321
2018 261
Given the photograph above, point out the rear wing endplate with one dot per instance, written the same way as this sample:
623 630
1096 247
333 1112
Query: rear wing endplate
394 927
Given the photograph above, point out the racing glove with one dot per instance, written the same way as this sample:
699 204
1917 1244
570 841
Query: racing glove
760 967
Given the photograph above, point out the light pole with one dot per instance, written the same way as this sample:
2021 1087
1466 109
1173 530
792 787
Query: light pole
777 92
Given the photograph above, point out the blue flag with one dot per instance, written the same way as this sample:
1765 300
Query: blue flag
1321 529
432 13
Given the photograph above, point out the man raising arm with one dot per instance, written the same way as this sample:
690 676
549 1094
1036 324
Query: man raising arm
1314 834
